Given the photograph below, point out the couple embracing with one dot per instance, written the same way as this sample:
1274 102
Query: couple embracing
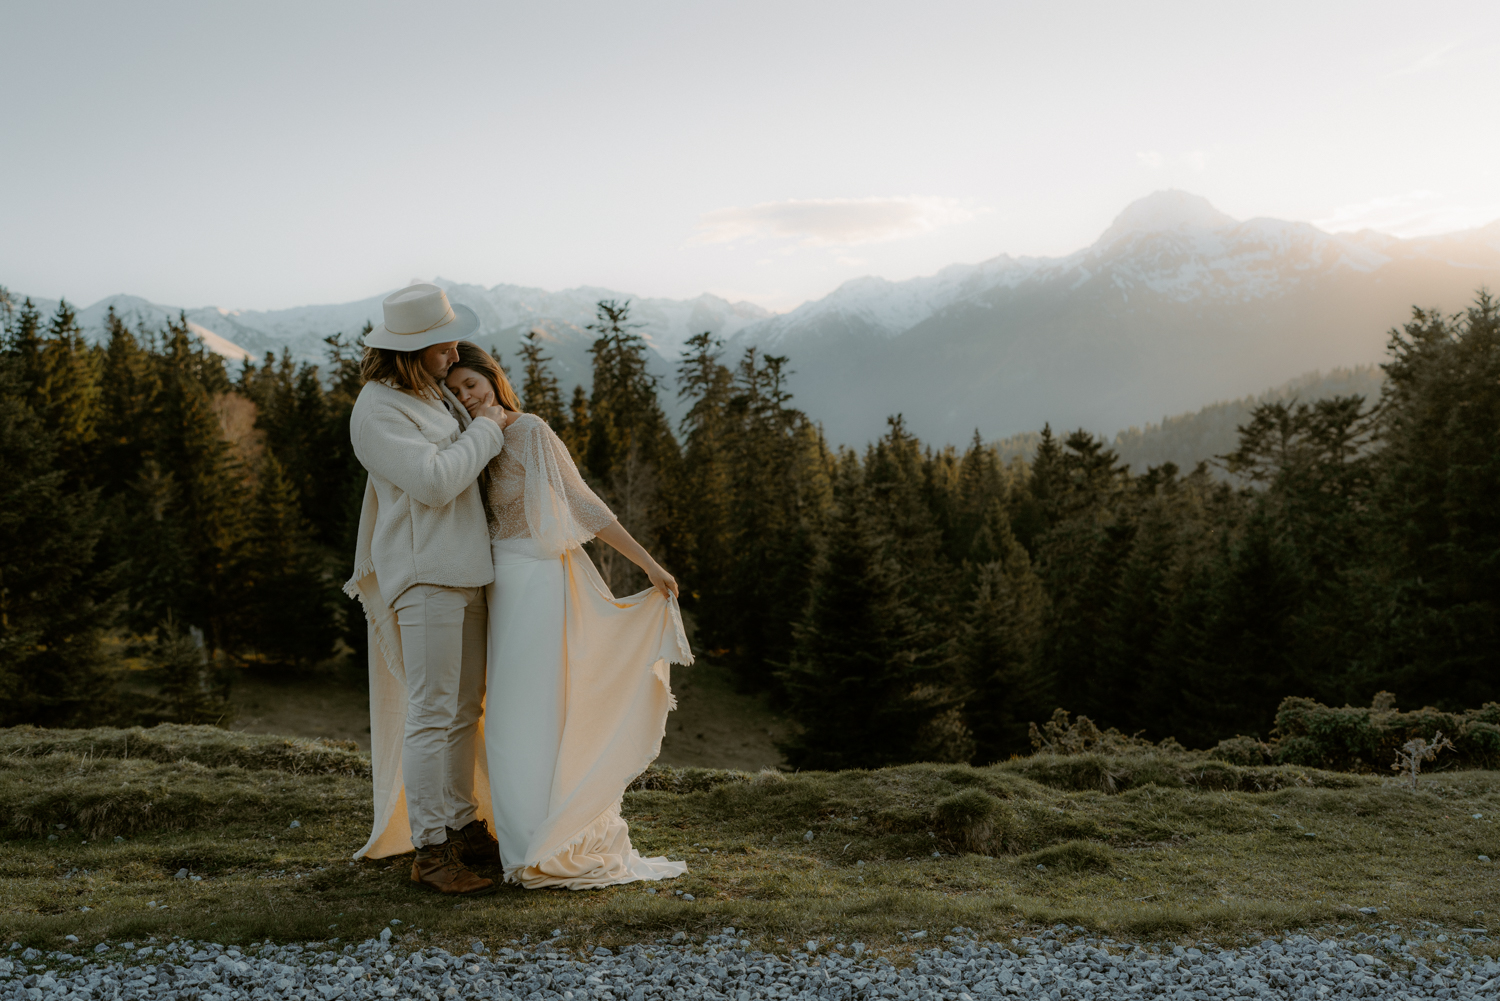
510 691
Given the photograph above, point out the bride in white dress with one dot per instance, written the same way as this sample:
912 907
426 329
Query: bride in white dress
578 683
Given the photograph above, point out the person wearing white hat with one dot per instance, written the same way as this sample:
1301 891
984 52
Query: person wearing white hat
422 561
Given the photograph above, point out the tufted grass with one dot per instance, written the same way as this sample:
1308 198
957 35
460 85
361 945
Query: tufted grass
1143 845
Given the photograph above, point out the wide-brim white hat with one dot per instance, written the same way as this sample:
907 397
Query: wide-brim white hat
420 316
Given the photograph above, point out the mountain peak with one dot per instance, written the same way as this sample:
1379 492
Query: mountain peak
1166 210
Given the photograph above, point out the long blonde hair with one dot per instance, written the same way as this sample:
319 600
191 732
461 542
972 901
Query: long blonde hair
400 368
472 356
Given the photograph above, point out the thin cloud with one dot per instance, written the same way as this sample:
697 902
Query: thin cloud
1432 60
832 221
1414 213
1195 160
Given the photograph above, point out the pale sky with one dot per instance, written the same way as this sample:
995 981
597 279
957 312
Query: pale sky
262 155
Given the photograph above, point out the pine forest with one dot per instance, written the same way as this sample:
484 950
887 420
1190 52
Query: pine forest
168 519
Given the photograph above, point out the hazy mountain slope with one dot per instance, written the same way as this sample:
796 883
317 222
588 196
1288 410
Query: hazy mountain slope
1176 303
1187 439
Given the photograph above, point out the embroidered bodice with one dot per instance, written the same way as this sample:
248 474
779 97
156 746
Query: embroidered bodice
537 492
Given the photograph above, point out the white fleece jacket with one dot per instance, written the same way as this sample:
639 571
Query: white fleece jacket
423 519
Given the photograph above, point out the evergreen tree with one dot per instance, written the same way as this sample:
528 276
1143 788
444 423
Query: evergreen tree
1001 646
1080 558
55 603
339 526
980 483
629 449
1033 509
577 437
539 392
1230 654
192 687
777 481
203 490
60 376
283 609
705 553
1429 599
130 408
863 681
900 503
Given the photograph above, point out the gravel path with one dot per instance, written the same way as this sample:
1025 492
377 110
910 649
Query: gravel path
1054 964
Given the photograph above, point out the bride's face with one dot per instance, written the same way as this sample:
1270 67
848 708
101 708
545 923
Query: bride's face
472 388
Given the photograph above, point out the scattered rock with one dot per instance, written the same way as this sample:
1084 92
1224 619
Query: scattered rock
1064 961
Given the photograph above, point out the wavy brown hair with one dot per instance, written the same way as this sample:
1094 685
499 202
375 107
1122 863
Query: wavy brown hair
476 358
402 369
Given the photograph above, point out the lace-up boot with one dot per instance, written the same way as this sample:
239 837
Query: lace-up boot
477 846
439 867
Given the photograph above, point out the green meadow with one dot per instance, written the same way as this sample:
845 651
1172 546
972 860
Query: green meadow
97 825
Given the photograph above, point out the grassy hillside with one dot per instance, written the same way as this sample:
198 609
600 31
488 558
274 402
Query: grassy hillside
95 826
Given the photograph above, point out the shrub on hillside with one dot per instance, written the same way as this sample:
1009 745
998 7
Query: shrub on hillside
1244 751
1366 739
1060 735
973 819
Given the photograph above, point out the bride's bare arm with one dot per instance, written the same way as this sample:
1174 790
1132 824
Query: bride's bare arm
614 533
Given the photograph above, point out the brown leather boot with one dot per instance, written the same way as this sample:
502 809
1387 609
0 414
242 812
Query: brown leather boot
438 867
477 846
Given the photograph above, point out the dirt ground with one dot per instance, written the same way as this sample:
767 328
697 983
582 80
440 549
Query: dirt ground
713 727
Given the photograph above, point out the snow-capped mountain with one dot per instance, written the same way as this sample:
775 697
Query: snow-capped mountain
1174 305
506 314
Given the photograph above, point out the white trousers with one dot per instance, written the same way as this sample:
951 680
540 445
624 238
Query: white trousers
443 634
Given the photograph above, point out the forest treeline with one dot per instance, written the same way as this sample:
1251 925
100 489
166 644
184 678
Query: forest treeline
165 513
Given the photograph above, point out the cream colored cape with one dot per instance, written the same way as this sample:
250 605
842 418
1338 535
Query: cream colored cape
391 834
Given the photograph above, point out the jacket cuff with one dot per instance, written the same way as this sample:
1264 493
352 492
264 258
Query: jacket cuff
499 432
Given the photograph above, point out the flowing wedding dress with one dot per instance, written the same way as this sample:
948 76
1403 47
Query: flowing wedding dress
578 683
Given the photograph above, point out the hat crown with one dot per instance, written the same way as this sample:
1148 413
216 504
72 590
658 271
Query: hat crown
416 309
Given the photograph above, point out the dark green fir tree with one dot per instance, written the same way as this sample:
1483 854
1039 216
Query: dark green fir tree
56 604
863 682
1001 644
539 392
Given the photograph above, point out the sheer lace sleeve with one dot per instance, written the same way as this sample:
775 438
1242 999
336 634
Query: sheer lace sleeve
561 510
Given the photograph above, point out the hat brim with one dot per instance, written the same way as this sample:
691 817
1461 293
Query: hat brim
463 324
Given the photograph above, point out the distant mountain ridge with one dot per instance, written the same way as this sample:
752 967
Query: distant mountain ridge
506 314
1176 303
